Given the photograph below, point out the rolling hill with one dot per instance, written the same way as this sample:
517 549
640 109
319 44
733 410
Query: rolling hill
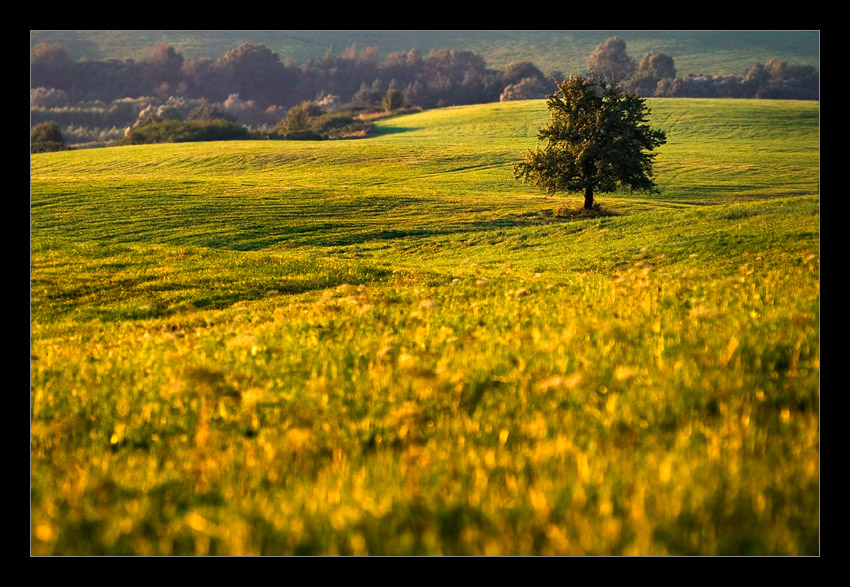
387 346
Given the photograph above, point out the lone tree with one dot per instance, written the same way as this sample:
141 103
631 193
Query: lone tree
597 141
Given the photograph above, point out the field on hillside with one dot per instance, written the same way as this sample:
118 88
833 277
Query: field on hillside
388 346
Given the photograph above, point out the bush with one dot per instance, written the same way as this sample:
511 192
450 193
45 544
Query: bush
296 120
176 131
303 135
47 147
304 122
354 129
46 137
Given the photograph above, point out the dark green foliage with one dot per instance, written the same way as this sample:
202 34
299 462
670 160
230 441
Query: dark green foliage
340 126
46 132
45 137
176 131
47 147
304 134
597 141
307 121
295 120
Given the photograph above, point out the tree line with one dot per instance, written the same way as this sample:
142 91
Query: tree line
98 102
655 76
256 74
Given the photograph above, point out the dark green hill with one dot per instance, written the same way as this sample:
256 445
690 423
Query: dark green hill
709 52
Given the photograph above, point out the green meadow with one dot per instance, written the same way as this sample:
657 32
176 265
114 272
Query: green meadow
388 346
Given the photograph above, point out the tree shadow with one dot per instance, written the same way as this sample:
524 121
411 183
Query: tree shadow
337 236
338 230
392 130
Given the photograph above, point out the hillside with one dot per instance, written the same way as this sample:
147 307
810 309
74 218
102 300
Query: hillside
94 100
694 52
389 347
423 166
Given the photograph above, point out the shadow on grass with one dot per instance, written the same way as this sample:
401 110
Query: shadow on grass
100 296
343 234
393 130
564 212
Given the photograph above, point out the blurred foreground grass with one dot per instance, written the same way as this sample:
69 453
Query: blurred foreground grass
457 371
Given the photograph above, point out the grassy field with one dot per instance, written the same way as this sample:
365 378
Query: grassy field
388 346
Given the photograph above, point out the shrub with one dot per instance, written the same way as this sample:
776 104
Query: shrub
295 120
308 122
45 137
303 135
176 131
354 129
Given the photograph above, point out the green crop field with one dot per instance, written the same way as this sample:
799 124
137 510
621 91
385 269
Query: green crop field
388 346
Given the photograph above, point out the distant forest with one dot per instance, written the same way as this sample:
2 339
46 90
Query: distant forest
94 102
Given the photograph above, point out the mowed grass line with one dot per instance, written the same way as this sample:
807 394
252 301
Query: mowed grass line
338 348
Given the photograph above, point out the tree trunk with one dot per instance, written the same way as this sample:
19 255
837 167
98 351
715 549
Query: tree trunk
588 197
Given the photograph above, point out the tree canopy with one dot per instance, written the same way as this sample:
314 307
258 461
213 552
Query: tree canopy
611 61
598 140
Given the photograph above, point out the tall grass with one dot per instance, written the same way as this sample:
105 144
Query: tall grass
388 346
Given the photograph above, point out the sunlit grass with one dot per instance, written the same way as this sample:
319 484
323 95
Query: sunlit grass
389 347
